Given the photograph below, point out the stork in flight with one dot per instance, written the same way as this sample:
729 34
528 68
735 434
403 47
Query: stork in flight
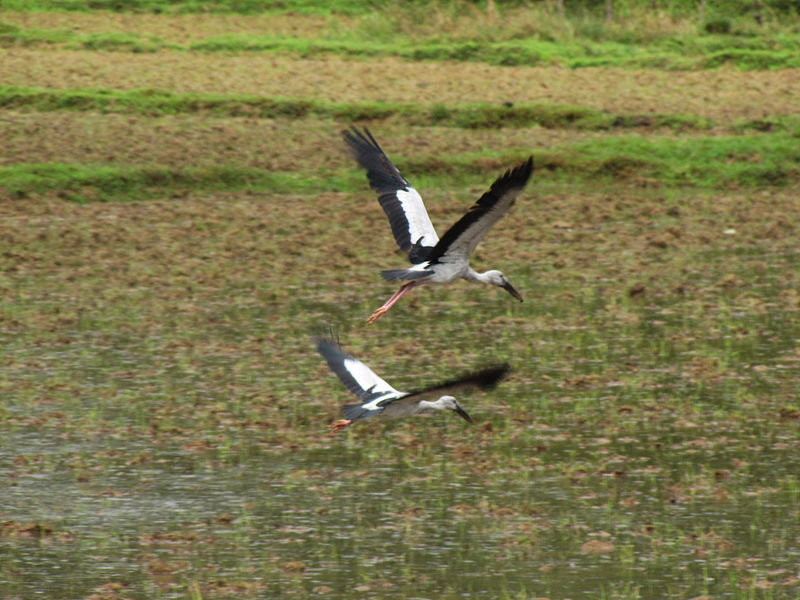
434 260
379 398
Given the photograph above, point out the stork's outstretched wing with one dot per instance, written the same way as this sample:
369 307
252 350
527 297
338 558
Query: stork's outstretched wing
354 374
411 226
357 377
483 379
460 240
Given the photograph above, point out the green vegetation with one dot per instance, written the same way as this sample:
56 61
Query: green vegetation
178 213
246 7
665 37
719 12
714 162
476 115
781 51
83 182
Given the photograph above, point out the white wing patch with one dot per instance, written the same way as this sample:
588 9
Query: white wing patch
367 379
420 228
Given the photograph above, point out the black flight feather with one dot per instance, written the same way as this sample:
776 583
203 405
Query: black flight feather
512 181
484 379
335 357
386 180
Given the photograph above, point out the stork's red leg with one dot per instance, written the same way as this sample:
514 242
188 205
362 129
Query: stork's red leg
397 295
339 425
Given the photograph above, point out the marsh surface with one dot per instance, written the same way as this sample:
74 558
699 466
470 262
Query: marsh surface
163 410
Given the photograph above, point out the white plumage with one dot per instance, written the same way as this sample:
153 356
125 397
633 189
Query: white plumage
379 398
434 260
420 228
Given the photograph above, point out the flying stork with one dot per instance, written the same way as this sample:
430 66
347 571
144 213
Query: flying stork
379 398
434 260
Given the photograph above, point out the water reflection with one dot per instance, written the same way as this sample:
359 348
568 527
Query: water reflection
394 527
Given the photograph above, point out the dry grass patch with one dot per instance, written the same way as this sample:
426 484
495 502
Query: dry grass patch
172 141
724 95
180 29
197 140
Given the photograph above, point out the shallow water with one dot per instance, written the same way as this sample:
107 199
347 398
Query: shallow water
183 523
166 439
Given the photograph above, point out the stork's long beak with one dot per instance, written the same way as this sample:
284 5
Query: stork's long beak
512 290
463 414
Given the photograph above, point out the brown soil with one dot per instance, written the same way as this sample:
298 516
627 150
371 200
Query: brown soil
725 94
177 29
199 140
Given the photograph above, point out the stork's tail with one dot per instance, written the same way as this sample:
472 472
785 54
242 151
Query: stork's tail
353 412
404 274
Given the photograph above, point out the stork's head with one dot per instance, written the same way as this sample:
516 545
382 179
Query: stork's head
498 279
449 403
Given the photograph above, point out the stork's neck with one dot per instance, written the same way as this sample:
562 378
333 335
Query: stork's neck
475 277
424 405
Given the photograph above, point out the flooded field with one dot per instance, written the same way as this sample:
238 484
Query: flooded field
164 415
334 522
163 410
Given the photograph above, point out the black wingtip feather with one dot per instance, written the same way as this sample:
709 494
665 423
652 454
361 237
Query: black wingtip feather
382 175
330 349
490 377
516 177
336 357
485 379
367 152
356 139
324 334
511 180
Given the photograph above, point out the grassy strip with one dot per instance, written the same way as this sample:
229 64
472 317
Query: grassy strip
11 35
241 7
671 54
708 162
750 160
82 183
684 53
469 116
756 160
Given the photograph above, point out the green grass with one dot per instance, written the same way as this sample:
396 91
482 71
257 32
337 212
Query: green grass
85 183
525 36
246 7
471 116
676 54
13 36
81 183
583 12
685 53
706 162
754 160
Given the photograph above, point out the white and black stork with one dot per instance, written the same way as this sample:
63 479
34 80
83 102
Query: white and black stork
434 260
379 398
